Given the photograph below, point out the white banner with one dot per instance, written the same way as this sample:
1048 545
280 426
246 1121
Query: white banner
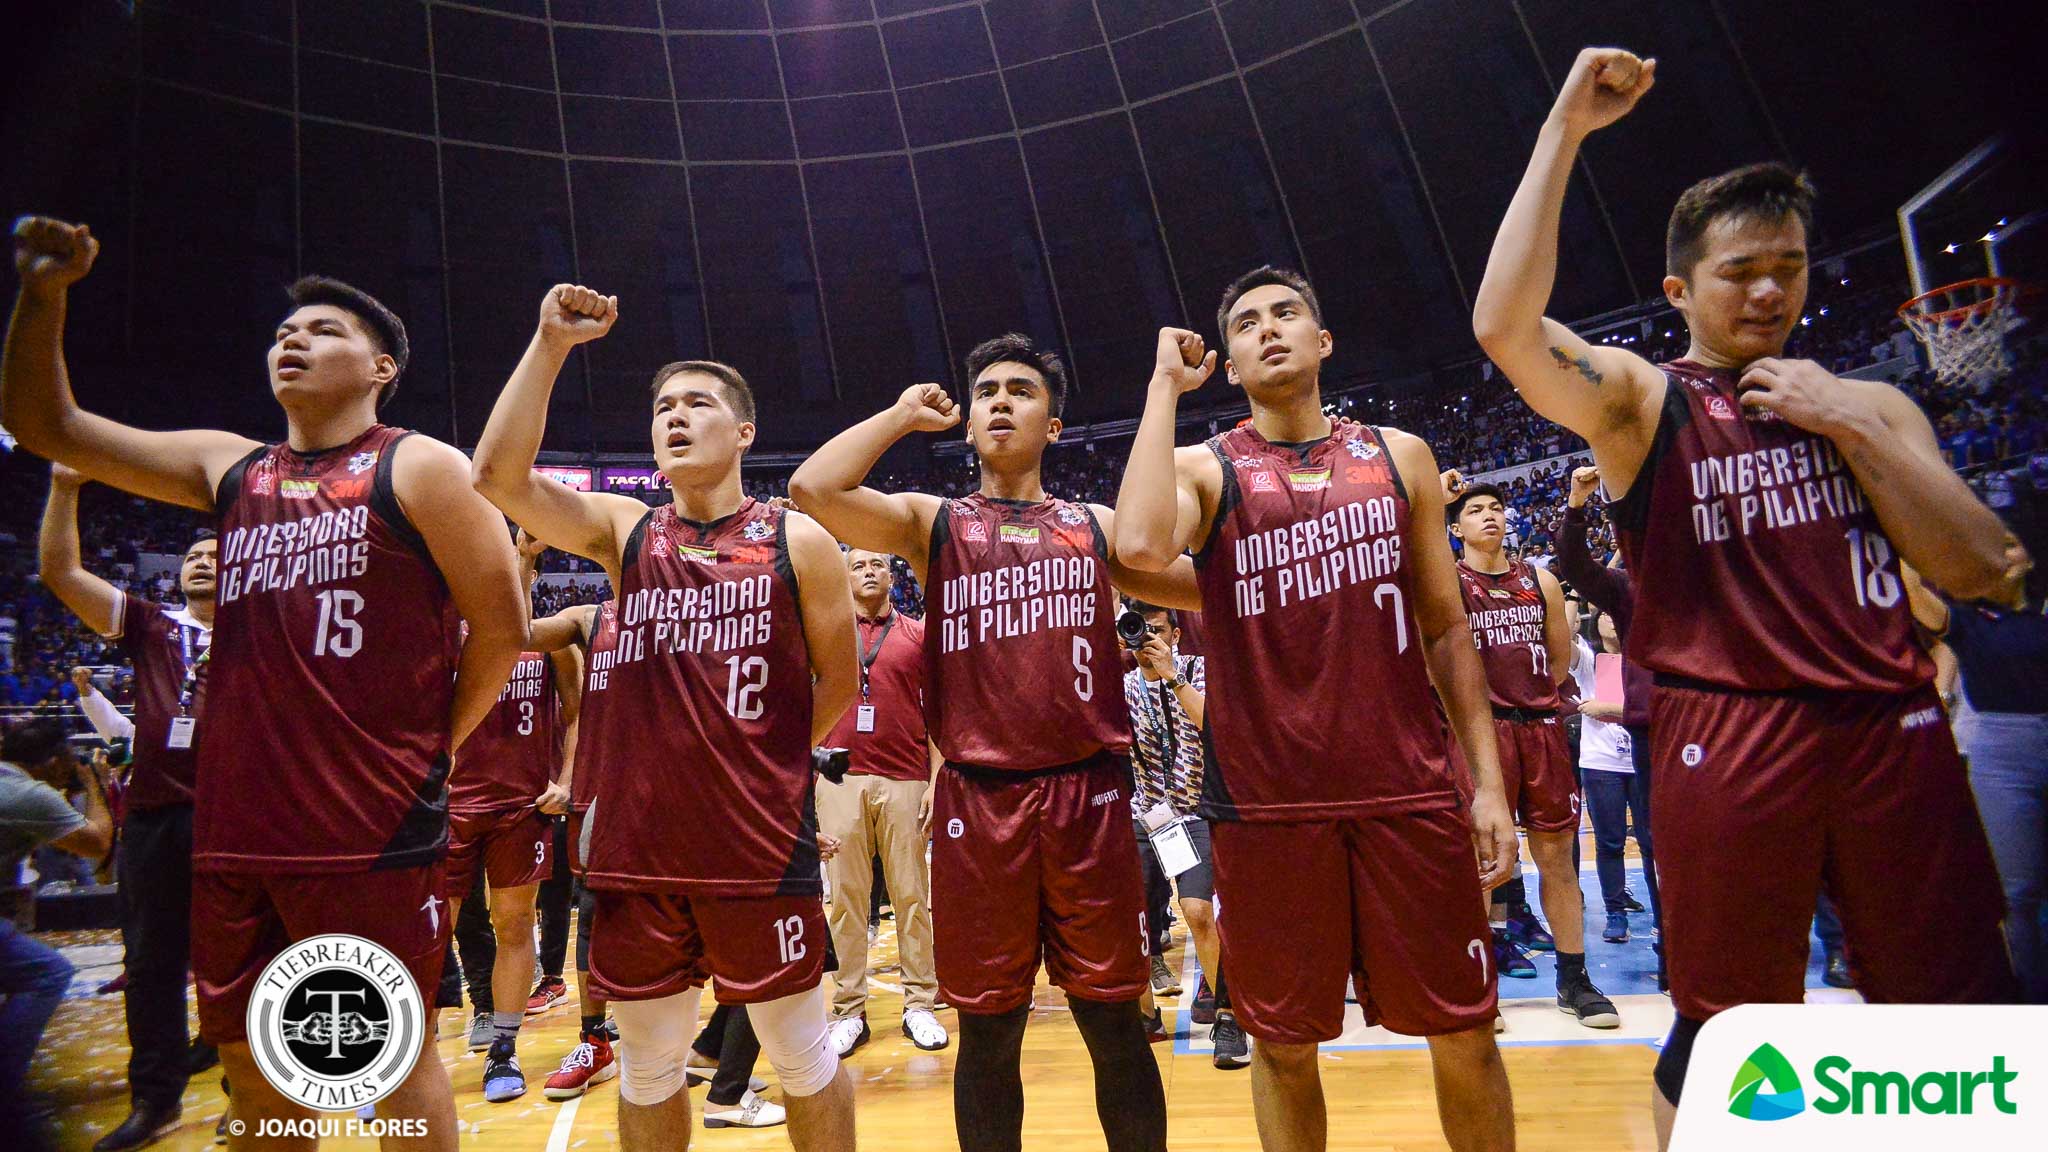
1872 1077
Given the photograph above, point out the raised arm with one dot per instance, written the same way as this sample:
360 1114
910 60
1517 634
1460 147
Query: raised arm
593 525
1602 393
567 666
1161 496
1930 516
93 600
1172 586
468 542
828 485
828 622
1447 648
36 404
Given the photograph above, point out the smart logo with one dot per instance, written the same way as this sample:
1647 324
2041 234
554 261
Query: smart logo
1767 1088
1766 1067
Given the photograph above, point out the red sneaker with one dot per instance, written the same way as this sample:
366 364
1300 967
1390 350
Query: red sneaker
546 994
590 1063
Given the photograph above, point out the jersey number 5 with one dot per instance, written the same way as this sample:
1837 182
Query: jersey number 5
1084 684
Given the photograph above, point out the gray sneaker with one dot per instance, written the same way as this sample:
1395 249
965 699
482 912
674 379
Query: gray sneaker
1233 1047
481 1033
1164 983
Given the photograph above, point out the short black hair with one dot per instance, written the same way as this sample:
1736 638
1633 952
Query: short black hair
738 393
385 328
1766 191
33 742
1144 608
1259 277
1468 492
201 537
1017 348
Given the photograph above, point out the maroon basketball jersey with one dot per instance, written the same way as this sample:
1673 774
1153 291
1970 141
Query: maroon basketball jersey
1320 706
1505 613
166 646
600 652
1758 561
706 748
515 749
324 747
892 745
1021 665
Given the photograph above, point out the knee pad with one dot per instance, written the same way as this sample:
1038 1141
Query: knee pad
654 1038
792 1035
1676 1057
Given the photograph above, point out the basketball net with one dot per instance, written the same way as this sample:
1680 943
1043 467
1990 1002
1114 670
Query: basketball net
1963 327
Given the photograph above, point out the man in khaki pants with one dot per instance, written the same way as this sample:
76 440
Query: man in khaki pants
882 808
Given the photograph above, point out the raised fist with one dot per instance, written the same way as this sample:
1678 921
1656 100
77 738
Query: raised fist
1179 358
928 408
81 679
1603 85
1584 481
50 255
572 314
1453 482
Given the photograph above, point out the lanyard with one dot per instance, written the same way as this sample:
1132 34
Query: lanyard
192 669
868 656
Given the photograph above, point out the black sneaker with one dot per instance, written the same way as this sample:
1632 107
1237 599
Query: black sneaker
502 1078
1155 1027
145 1125
1577 997
1204 1008
1837 973
1233 1048
1629 903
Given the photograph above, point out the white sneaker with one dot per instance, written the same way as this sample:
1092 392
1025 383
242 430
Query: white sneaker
924 1030
847 1034
750 1112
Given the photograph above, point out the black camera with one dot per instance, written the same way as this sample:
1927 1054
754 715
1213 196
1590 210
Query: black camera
1132 630
831 763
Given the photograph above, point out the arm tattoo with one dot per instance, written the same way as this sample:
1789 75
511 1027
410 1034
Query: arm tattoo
1567 362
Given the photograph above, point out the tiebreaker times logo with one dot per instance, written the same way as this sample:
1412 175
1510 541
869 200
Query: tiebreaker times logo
336 1024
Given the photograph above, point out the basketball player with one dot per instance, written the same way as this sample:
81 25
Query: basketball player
503 793
1331 604
735 658
1033 853
1764 506
168 647
1516 613
882 807
336 686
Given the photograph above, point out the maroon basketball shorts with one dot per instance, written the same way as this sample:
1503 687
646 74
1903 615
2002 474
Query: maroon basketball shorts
1759 799
1392 902
511 845
1037 866
241 921
1536 770
647 945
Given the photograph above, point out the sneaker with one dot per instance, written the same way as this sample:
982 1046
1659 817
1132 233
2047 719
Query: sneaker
750 1112
551 990
1155 1027
1837 973
699 1070
590 1062
481 1032
502 1078
146 1124
1617 928
1233 1047
1500 1022
1164 983
924 1030
848 1034
1204 1009
1629 903
1528 931
1508 957
1579 998
118 984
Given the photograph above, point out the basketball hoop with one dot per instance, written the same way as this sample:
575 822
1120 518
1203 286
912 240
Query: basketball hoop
1963 326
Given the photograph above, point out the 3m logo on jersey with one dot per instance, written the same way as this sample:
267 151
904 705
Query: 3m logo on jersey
1844 1089
1766 1067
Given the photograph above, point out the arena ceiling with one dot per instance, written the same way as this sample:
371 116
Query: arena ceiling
840 197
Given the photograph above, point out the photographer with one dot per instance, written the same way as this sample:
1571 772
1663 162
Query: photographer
37 765
1165 694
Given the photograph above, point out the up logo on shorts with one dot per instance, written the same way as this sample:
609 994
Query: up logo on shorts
336 1022
955 828
1692 755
